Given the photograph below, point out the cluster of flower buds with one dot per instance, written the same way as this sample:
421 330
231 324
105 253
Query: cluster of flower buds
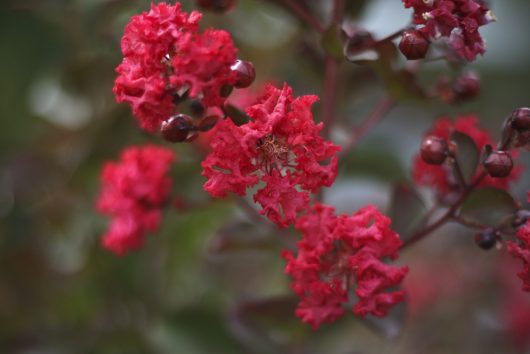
464 88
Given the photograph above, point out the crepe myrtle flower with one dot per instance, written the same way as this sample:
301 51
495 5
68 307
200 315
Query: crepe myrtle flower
457 21
133 192
440 176
166 59
280 147
521 250
342 255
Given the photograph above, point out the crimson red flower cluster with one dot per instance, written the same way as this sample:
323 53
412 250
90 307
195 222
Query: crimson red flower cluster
441 177
456 20
521 250
338 254
281 146
167 59
134 189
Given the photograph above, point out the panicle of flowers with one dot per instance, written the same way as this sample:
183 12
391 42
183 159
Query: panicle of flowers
281 147
339 255
521 250
134 189
167 59
441 177
456 20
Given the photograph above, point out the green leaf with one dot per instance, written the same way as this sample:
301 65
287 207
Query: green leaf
467 155
332 42
406 209
489 206
236 115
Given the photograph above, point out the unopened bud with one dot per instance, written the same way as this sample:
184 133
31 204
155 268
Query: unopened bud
414 45
521 119
245 73
434 150
177 128
499 164
486 239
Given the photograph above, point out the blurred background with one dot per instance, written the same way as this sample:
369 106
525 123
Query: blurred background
212 280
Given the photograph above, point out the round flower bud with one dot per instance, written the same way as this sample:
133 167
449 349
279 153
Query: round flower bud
414 45
434 150
217 5
466 86
177 128
486 239
245 73
521 119
499 164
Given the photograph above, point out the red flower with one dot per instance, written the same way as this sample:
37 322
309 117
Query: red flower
134 190
441 177
456 20
281 147
166 58
338 252
522 251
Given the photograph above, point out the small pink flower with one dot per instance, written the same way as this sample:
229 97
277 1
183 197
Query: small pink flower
165 58
456 20
342 253
133 192
281 146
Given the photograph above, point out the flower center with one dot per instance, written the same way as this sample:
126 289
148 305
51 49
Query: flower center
337 264
273 153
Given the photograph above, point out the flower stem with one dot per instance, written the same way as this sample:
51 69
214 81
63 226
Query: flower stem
302 13
447 216
380 111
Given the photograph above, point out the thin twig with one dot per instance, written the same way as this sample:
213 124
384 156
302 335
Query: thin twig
379 112
304 15
329 95
448 215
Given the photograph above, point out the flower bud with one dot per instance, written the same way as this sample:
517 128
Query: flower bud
217 5
521 119
177 128
466 86
486 239
245 73
434 150
414 45
499 164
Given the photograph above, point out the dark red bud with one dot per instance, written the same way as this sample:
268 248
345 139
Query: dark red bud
208 123
217 5
486 239
466 86
521 119
434 150
414 45
196 108
245 73
499 164
177 128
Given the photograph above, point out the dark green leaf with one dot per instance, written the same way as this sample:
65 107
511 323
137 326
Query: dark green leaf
236 115
406 209
489 206
467 155
332 43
